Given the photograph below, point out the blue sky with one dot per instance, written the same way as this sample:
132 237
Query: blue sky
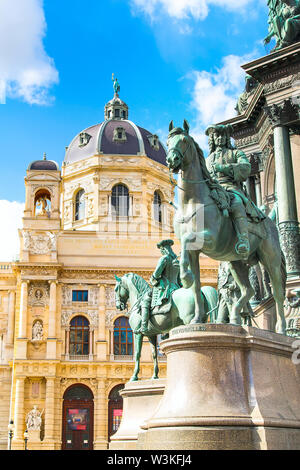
174 59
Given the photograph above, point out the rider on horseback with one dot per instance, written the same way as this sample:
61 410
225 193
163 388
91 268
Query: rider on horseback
165 280
231 168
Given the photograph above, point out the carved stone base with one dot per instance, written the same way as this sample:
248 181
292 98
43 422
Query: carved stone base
228 387
140 400
290 243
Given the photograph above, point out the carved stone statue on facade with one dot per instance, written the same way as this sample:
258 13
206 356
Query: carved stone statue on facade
37 331
41 206
284 22
244 99
34 419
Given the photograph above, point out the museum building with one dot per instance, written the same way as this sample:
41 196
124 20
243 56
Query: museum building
65 351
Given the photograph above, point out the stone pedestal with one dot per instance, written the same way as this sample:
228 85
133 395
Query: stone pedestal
140 399
228 387
34 439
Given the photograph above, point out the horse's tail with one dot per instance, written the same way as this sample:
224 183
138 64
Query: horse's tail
211 301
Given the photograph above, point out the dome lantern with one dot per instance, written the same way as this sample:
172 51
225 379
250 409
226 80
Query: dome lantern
116 108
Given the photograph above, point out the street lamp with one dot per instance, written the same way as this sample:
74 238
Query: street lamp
26 438
11 428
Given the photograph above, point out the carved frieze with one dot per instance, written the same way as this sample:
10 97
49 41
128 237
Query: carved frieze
283 82
92 316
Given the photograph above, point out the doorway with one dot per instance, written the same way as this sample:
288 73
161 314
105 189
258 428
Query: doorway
78 418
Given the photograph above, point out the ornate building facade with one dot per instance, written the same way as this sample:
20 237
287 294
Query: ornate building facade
65 350
267 129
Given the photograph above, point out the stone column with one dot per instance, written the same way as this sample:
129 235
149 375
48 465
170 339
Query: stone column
11 318
101 340
23 310
51 340
19 416
258 190
50 411
279 115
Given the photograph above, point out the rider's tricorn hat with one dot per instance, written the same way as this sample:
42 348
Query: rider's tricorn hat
165 243
220 129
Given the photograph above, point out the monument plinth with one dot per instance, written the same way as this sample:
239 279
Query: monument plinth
140 400
228 387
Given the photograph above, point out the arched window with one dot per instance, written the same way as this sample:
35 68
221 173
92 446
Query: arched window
123 341
120 200
115 409
157 207
80 205
79 336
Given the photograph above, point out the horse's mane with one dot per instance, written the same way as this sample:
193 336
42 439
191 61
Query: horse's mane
139 283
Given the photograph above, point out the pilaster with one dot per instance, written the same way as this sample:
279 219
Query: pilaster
101 340
51 340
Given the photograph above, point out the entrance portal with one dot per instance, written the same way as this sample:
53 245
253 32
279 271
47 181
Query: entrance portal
78 418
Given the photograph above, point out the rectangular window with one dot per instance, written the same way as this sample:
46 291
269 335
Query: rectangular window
80 296
117 113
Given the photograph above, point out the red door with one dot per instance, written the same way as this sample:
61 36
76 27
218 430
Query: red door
77 425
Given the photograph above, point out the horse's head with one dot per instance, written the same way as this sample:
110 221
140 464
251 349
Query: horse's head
179 142
121 294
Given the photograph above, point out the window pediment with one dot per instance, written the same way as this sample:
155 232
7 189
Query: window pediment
84 139
154 141
119 135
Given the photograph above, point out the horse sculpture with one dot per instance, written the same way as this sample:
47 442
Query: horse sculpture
217 237
131 287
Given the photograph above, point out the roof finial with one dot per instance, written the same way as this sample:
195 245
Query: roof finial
116 85
44 156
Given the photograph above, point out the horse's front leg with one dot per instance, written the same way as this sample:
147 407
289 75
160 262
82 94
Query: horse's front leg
200 316
186 275
138 341
240 273
153 343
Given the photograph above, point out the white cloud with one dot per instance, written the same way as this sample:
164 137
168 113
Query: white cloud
11 214
182 9
26 71
215 94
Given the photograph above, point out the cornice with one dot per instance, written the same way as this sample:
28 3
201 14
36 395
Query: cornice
274 65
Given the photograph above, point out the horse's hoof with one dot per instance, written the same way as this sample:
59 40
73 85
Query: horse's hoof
133 379
155 377
280 329
187 280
